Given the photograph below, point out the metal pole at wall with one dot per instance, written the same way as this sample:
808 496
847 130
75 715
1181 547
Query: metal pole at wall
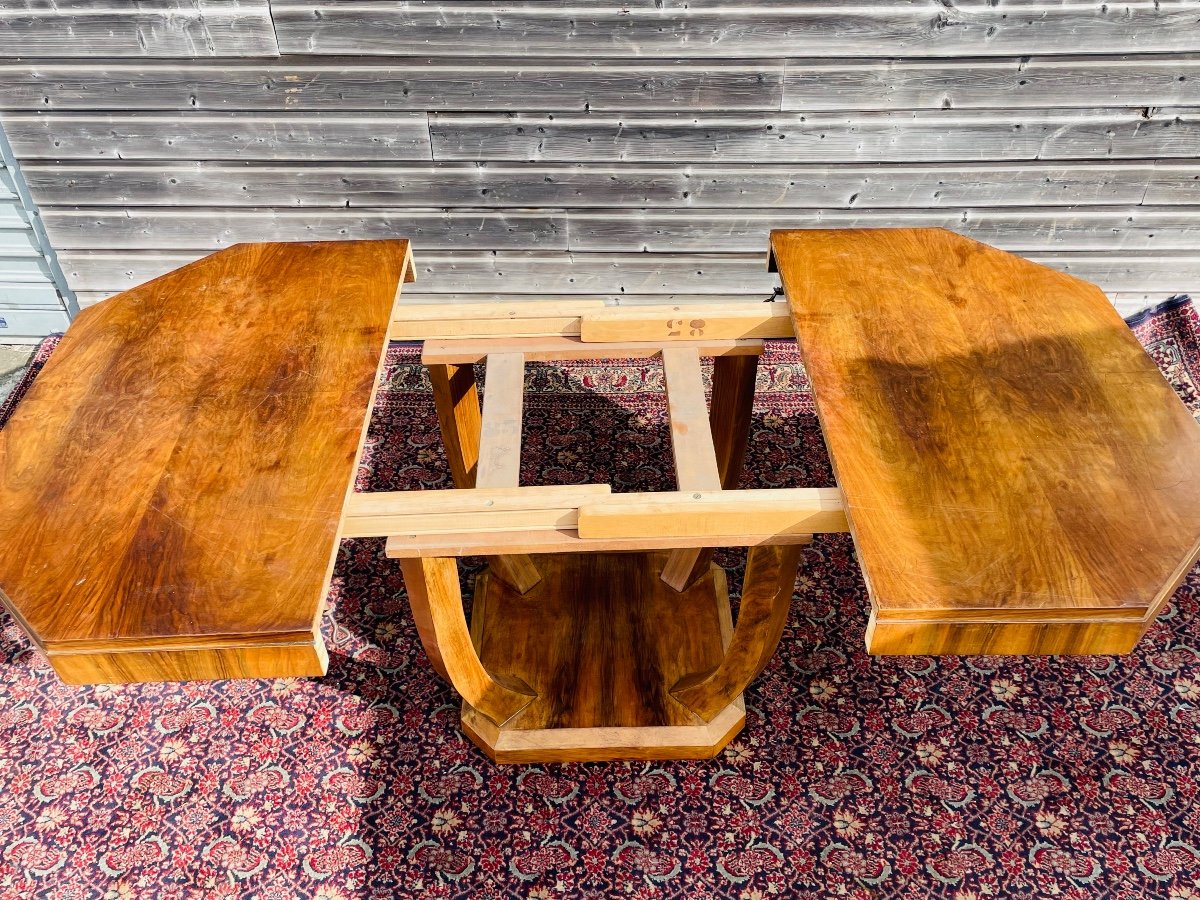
69 301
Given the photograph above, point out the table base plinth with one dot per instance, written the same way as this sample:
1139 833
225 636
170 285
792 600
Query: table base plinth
602 640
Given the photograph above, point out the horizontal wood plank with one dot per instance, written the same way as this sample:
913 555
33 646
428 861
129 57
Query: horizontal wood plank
1097 228
477 320
725 29
922 136
180 136
467 83
640 185
564 540
1143 228
213 229
453 523
438 351
170 29
559 85
502 513
780 511
473 500
563 274
419 312
675 323
1022 83
672 514
1118 271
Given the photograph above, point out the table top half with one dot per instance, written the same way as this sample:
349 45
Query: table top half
178 469
1001 439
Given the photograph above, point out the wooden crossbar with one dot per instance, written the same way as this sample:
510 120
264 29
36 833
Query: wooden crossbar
679 513
595 512
683 323
591 321
424 321
564 540
691 438
696 466
562 347
500 435
432 512
500 455
474 500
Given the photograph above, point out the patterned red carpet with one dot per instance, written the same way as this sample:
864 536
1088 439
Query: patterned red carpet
858 777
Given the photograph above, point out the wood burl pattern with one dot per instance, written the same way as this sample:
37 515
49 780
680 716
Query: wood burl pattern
171 487
1018 476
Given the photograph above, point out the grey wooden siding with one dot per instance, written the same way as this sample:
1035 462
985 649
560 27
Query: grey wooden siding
627 150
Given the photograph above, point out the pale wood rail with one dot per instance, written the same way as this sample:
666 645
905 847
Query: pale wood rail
500 438
500 452
748 517
591 322
456 398
696 466
729 423
556 348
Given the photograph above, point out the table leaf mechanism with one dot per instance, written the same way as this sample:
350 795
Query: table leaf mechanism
1016 474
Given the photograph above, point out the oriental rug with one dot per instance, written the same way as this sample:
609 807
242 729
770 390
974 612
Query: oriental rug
855 776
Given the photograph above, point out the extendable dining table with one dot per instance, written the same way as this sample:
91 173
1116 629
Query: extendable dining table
1016 475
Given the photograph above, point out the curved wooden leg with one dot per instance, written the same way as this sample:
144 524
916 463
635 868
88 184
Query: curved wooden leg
436 601
766 597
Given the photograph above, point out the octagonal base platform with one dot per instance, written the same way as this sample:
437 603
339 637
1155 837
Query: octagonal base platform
602 640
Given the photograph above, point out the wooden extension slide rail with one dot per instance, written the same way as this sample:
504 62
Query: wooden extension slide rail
591 322
482 519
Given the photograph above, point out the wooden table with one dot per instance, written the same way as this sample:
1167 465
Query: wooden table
1017 476
172 485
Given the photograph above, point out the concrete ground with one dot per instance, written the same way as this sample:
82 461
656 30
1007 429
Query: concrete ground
13 359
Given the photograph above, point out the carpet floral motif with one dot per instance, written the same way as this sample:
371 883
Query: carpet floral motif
855 776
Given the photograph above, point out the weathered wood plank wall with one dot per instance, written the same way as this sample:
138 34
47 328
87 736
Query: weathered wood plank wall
629 149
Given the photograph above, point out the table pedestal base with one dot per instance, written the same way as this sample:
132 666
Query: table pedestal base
602 640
